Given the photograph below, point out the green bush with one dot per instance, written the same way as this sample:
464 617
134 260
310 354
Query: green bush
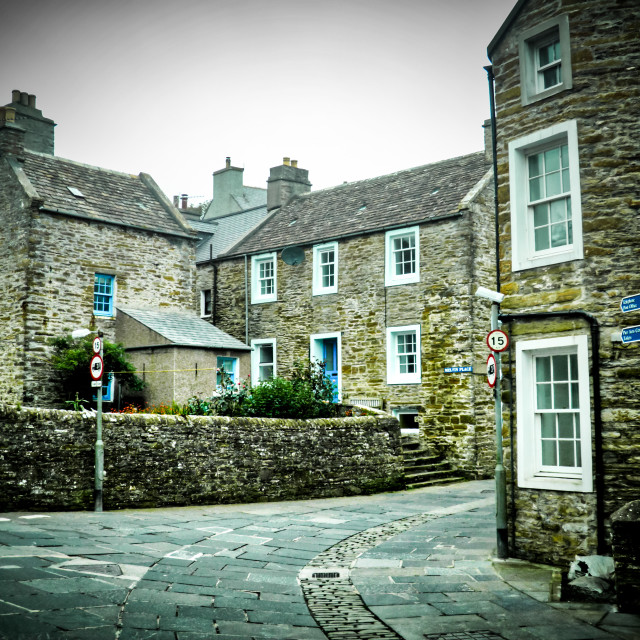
71 358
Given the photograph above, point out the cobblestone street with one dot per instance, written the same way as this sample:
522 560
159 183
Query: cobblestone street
414 565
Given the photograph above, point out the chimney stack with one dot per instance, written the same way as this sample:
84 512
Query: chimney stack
286 181
184 198
11 135
488 140
38 130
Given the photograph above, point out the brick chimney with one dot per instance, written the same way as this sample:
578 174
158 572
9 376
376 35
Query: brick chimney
286 181
38 130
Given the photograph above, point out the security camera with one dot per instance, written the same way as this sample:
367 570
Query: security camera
494 296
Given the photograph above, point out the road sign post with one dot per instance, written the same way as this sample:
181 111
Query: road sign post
96 369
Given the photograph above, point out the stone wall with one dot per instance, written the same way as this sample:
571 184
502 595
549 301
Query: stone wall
47 459
63 255
455 409
552 526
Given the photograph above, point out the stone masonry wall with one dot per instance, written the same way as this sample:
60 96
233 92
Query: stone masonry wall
14 258
65 253
552 526
47 459
455 257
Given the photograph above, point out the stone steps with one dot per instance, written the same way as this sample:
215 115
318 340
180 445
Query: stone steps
422 469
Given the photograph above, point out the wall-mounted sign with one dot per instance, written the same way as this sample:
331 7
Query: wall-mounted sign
631 334
630 303
492 373
458 369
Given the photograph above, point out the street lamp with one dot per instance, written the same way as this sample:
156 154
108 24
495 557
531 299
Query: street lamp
501 486
99 446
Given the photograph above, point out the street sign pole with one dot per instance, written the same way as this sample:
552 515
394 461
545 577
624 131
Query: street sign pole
501 482
99 464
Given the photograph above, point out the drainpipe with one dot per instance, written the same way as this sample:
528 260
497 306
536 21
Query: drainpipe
597 402
246 301
494 158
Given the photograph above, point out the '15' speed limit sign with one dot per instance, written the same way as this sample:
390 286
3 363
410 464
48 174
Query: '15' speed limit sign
497 340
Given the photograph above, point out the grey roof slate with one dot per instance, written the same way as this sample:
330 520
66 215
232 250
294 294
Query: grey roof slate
399 199
225 231
184 329
106 195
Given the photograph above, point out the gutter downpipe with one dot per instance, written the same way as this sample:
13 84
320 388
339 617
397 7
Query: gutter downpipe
246 301
500 476
597 402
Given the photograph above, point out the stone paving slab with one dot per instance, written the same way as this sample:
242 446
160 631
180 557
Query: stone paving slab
414 564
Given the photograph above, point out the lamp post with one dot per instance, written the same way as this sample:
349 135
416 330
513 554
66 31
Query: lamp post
501 484
99 446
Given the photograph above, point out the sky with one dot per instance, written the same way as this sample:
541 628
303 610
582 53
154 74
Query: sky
352 89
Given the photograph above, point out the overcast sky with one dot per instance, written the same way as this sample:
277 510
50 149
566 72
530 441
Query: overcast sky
352 89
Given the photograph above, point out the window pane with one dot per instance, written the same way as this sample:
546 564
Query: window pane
535 189
535 165
542 239
558 210
549 453
266 353
575 397
265 372
543 396
552 160
561 396
565 425
560 367
548 425
566 457
552 184
558 235
543 369
540 215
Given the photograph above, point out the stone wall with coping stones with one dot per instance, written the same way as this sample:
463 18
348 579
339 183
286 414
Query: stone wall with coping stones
604 98
65 253
47 459
456 256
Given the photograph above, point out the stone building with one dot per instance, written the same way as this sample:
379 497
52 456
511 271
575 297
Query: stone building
567 89
375 278
77 243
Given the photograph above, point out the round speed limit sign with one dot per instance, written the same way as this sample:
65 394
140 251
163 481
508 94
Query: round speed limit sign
497 340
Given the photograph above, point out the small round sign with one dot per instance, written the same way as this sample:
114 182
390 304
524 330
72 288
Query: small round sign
96 367
97 344
492 372
497 340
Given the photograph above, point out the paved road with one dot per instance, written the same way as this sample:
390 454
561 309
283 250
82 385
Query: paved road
407 565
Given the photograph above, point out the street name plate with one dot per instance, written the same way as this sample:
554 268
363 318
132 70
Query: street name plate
458 369
631 334
630 303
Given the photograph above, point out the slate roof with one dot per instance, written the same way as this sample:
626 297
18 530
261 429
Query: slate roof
106 195
225 231
184 329
400 199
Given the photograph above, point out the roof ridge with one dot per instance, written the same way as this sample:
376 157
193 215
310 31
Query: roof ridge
82 164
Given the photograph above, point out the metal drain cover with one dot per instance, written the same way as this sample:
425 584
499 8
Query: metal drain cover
464 635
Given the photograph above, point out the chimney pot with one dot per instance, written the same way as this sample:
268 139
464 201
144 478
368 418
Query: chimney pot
24 98
176 201
32 101
15 95
184 198
294 163
228 162
286 162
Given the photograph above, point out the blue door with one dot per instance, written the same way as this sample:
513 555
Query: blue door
330 357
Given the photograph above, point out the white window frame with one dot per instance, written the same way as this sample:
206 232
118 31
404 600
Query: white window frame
256 296
530 472
390 277
404 411
315 353
203 307
318 287
529 44
523 254
255 358
394 376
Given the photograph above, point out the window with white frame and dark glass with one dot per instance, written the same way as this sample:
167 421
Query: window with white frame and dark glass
325 269
205 303
403 355
263 360
402 256
103 294
263 278
553 424
545 60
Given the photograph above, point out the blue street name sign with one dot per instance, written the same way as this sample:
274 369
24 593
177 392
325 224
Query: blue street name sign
630 303
631 334
458 369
